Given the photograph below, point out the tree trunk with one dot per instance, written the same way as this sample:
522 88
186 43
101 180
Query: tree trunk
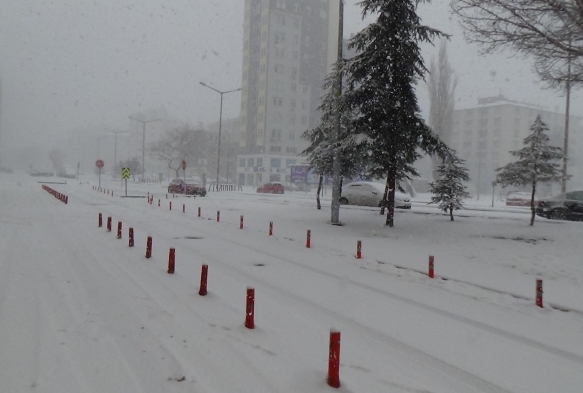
532 207
451 213
384 201
391 199
319 190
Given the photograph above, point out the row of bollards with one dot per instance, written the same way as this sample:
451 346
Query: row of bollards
103 190
332 379
61 197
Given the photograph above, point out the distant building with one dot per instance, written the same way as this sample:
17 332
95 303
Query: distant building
484 135
288 49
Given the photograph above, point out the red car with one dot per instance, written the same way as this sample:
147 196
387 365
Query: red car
271 188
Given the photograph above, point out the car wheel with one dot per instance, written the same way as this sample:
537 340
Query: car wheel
343 201
558 215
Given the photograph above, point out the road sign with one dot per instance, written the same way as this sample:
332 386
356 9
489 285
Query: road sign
99 163
183 164
125 173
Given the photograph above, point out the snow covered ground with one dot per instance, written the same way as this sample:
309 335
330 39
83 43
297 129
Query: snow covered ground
80 311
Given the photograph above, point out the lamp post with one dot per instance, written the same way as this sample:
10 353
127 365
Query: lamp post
115 148
220 124
143 141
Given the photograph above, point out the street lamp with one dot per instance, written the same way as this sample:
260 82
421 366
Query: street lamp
220 124
115 147
143 141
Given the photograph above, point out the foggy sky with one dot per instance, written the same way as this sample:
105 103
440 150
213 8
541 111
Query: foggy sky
85 63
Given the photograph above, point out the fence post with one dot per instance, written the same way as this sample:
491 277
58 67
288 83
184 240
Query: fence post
539 292
431 267
203 280
334 360
250 312
149 247
171 258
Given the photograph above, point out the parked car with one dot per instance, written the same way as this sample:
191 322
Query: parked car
271 188
190 187
364 193
515 198
567 206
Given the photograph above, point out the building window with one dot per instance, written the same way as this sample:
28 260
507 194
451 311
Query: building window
275 162
277 101
294 72
278 69
242 163
295 55
304 120
292 120
250 162
296 23
304 104
293 150
259 162
293 104
292 136
279 37
309 10
293 87
290 162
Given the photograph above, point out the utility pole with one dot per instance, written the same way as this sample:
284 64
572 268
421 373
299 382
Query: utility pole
566 143
336 167
0 122
115 148
143 141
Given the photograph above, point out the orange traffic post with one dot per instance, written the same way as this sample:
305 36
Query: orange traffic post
203 280
539 292
333 379
431 267
309 239
358 249
149 247
171 258
131 236
119 229
250 310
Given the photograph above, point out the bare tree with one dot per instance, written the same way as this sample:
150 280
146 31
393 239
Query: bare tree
181 143
549 30
441 85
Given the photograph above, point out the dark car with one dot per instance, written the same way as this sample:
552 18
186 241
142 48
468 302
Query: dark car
567 206
190 187
271 188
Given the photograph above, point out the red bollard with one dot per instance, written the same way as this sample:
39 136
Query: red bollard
539 292
309 239
183 208
199 211
431 267
241 223
333 379
149 247
108 224
66 200
203 280
119 229
100 222
170 205
358 249
111 192
171 261
158 203
270 228
166 196
250 312
218 216
131 236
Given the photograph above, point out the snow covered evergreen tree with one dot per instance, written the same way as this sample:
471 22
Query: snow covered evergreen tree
323 141
536 163
381 81
449 190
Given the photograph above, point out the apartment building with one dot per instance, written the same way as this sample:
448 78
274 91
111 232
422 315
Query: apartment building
483 136
288 49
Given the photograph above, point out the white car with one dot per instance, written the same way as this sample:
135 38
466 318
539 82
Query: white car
365 193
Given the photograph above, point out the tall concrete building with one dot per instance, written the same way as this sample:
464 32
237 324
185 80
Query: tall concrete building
288 49
483 136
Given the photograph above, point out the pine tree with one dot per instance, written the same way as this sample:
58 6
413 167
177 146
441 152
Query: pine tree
449 190
381 81
323 141
536 163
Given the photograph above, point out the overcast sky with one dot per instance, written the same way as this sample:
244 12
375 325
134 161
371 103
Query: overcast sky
82 63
